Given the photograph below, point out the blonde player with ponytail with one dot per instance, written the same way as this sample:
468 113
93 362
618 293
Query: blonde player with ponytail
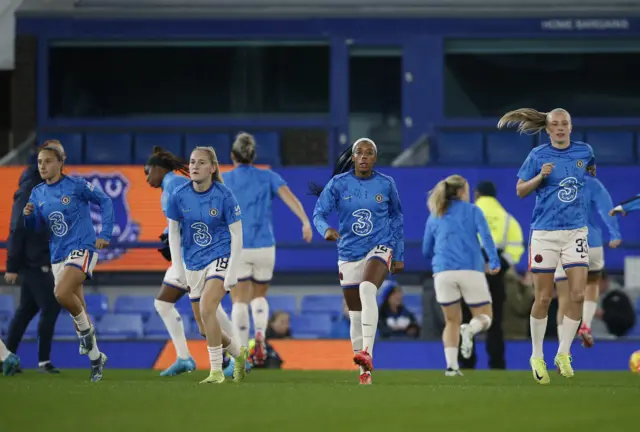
451 241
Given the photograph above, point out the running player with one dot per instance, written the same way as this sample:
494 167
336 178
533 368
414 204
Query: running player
451 239
370 229
597 198
62 203
205 228
627 206
10 361
161 173
556 172
255 188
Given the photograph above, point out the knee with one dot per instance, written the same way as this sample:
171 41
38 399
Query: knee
367 290
60 293
543 299
453 320
577 296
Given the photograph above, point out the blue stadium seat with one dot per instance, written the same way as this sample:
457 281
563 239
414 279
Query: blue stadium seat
97 304
220 142
140 305
285 303
72 143
413 302
155 326
108 148
268 148
143 146
121 326
227 303
184 305
65 327
612 147
318 325
508 148
7 307
459 148
331 304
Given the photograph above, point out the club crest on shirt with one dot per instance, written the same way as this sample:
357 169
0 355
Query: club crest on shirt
115 185
580 163
379 198
213 212
65 200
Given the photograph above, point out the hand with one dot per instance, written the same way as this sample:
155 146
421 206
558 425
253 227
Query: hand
28 209
614 243
615 211
10 278
331 235
230 281
396 266
101 244
546 169
307 232
491 271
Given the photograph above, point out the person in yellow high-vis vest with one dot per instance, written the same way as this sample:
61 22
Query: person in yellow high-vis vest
508 238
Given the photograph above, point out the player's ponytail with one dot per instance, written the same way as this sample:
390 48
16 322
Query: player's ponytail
213 158
527 120
169 161
342 165
244 148
445 191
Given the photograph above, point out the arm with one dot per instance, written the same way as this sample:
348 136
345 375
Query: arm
175 248
293 203
487 241
627 206
233 217
33 220
591 164
529 177
604 203
428 241
396 223
324 206
18 231
97 196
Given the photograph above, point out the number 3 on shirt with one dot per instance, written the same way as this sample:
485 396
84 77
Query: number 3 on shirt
569 190
201 237
58 226
363 225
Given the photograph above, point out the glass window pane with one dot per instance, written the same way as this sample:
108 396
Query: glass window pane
157 80
586 84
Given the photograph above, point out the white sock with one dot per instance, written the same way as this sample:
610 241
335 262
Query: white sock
451 356
233 348
355 317
260 313
369 315
226 325
240 319
173 322
569 329
559 332
82 321
4 352
588 312
215 357
480 323
538 329
40 364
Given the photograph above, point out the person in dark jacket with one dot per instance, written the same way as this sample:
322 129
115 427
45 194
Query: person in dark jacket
395 320
28 256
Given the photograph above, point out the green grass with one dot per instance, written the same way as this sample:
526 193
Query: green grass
323 401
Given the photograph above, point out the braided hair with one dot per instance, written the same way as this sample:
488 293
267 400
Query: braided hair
342 165
167 160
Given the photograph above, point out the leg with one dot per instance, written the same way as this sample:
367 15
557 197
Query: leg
495 334
49 312
589 307
260 313
352 299
242 294
451 337
543 290
577 278
562 294
164 303
195 307
467 363
27 309
475 291
375 272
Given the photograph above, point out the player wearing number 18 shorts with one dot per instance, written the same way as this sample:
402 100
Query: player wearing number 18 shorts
556 172
370 239
62 204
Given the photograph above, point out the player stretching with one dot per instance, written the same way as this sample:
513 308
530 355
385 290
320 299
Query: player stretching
597 198
627 206
62 203
10 361
556 172
205 228
255 188
451 238
160 171
370 229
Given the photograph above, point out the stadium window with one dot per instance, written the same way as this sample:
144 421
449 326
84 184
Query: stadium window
161 79
590 78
